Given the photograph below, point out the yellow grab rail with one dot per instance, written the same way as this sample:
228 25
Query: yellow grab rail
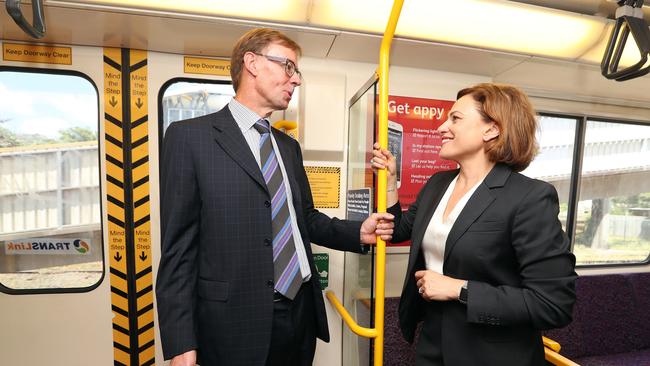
551 344
378 331
552 355
380 280
356 328
557 359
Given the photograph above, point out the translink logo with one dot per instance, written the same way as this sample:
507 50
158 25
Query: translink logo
81 246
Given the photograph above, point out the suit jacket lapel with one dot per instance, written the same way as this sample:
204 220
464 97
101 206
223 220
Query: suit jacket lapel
480 200
228 135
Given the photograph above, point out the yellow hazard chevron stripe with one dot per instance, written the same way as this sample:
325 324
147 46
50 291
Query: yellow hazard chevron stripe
126 136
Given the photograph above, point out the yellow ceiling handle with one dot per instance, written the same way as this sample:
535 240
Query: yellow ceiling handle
286 125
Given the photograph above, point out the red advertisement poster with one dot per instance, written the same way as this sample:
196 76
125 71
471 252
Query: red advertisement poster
413 139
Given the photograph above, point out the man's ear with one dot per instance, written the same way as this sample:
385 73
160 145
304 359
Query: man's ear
491 132
250 63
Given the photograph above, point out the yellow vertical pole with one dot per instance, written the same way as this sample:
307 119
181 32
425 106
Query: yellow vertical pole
380 280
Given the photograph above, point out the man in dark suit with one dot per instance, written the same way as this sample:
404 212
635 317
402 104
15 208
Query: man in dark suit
237 283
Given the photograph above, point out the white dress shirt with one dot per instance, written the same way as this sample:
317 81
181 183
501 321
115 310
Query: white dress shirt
246 119
435 237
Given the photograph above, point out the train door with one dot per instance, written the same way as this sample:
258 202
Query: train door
79 195
55 290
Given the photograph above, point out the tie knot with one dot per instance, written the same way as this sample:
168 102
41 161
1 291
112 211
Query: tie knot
262 126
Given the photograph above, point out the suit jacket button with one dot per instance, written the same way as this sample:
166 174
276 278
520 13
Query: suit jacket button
267 242
267 203
269 283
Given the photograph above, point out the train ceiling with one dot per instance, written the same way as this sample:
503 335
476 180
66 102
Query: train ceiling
493 38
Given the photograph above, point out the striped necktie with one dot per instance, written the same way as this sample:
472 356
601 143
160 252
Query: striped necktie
286 268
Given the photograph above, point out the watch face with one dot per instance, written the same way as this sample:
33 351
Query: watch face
462 297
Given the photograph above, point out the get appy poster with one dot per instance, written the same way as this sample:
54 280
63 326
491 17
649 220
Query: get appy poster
415 143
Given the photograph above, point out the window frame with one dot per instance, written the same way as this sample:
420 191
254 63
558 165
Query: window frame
576 177
161 94
12 291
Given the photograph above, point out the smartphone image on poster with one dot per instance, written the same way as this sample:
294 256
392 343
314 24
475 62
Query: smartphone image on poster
395 137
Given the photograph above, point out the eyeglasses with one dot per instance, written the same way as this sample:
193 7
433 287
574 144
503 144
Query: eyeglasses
290 67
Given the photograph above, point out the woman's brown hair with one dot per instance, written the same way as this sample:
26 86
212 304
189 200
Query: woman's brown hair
256 41
511 110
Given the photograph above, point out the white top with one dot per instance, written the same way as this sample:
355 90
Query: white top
245 119
435 238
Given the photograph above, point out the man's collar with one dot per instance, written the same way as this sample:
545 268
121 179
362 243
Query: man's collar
243 115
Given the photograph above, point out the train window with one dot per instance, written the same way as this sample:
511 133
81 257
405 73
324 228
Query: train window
50 199
613 215
188 98
554 161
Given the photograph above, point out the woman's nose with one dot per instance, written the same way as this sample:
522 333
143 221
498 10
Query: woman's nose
443 127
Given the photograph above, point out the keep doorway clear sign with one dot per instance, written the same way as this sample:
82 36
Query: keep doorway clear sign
322 262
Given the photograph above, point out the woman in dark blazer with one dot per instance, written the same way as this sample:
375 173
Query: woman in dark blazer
489 266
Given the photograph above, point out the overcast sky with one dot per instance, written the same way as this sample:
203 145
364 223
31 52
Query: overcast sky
46 103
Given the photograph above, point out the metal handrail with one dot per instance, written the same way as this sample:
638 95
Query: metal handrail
347 318
378 331
557 359
37 29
